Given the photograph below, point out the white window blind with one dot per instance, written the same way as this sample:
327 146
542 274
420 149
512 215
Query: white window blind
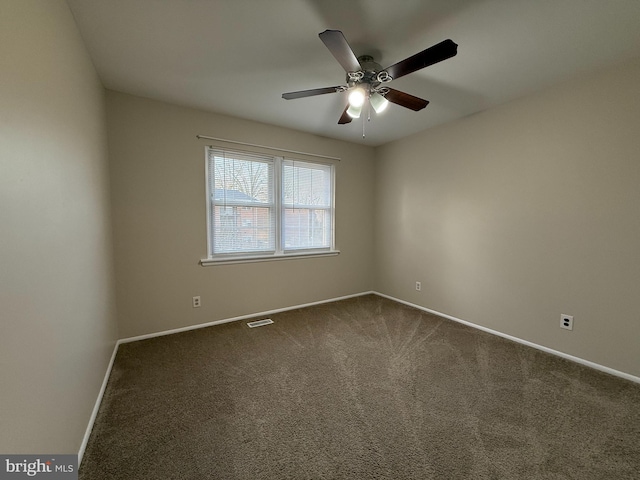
243 217
262 206
307 205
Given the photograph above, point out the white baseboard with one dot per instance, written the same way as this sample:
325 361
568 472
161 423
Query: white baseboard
96 406
579 360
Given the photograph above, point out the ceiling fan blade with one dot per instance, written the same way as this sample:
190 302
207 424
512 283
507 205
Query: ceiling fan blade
441 51
406 100
345 118
338 46
309 93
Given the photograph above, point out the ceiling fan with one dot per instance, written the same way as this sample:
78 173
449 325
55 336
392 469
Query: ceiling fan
366 79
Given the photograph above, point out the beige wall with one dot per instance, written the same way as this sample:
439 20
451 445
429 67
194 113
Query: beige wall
159 211
516 215
57 308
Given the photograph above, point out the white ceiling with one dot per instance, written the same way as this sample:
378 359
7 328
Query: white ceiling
237 57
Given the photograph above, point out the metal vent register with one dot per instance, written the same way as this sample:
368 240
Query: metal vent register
260 323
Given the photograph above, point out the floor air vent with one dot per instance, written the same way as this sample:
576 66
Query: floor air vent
260 323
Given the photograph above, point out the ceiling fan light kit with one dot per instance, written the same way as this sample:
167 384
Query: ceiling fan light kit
354 111
378 102
366 79
357 97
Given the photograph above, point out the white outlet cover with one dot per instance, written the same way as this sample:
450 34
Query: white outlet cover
566 322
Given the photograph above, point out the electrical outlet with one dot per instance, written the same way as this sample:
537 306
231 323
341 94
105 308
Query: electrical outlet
566 321
418 286
196 302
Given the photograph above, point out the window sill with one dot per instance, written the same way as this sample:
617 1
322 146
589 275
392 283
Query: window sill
208 262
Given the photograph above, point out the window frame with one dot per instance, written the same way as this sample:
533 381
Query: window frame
279 207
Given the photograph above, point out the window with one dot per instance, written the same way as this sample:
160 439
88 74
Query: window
262 206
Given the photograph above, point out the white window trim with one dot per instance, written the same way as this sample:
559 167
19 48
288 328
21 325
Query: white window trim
208 262
280 253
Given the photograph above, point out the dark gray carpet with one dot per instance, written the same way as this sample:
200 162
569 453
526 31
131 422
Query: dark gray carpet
364 388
